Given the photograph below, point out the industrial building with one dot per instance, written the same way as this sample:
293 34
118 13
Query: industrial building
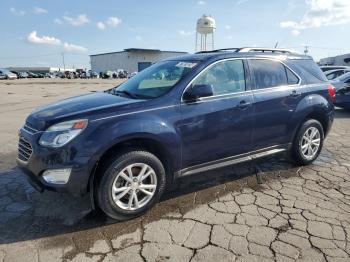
130 59
340 60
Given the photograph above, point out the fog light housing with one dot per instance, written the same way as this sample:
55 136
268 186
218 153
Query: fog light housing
57 176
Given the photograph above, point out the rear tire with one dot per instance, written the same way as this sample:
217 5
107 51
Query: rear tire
308 142
131 183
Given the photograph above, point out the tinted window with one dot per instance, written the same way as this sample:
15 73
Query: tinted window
225 77
292 78
268 73
312 72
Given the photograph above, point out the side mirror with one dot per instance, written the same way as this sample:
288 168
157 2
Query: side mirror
197 91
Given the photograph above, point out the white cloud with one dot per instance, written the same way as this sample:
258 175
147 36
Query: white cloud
201 2
72 48
113 21
39 10
185 33
79 20
228 27
58 21
100 25
46 40
321 13
17 12
295 32
53 41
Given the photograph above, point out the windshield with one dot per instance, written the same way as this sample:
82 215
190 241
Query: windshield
155 80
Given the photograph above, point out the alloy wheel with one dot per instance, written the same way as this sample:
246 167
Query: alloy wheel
310 142
134 186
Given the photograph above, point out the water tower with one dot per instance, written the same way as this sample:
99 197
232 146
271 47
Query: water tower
205 28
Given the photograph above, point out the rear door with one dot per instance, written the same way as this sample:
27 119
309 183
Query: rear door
219 126
276 95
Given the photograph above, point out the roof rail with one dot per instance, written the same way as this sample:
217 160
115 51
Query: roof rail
250 49
260 49
234 49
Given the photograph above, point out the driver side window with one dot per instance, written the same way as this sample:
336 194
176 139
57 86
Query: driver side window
226 77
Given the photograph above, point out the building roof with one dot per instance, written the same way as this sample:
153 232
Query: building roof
141 50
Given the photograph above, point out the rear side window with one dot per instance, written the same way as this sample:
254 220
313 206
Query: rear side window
292 78
268 73
311 71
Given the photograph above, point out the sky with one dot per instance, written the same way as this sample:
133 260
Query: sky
41 32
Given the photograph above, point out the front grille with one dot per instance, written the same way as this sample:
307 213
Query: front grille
25 149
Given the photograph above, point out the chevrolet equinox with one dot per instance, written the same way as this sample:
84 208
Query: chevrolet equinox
178 117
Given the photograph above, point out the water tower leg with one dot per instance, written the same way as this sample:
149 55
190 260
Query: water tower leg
196 45
212 41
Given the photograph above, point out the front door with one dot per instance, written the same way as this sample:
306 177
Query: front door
219 126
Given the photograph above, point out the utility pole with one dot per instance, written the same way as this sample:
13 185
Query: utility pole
306 50
64 63
276 45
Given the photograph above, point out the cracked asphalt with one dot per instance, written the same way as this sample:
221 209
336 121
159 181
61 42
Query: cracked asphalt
296 214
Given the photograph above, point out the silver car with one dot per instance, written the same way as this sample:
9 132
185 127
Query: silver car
7 74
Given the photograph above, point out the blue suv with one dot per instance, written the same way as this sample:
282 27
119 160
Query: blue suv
179 117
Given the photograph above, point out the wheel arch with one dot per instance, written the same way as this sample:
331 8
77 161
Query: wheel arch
145 142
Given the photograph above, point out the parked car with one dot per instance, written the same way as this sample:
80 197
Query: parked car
122 73
2 76
8 75
132 74
32 75
126 145
327 68
23 74
107 74
15 73
332 74
342 95
93 74
50 75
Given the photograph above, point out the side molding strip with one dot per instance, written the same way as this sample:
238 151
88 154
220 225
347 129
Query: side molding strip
229 161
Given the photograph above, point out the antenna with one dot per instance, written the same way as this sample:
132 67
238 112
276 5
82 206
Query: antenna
64 63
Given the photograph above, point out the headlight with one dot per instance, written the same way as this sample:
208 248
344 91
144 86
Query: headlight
60 134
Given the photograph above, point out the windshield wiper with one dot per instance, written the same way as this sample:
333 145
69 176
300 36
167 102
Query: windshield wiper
124 92
129 94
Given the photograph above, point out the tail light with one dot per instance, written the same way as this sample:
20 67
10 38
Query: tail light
331 92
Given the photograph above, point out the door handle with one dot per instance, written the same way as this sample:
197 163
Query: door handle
294 93
243 104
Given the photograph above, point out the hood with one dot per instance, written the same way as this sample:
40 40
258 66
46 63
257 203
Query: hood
75 107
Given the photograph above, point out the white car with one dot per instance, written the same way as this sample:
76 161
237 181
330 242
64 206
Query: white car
333 74
7 74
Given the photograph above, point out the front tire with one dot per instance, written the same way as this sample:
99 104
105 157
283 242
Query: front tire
131 183
308 142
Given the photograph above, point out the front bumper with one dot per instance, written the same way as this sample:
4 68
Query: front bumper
42 159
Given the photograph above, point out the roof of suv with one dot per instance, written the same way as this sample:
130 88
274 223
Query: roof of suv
244 52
